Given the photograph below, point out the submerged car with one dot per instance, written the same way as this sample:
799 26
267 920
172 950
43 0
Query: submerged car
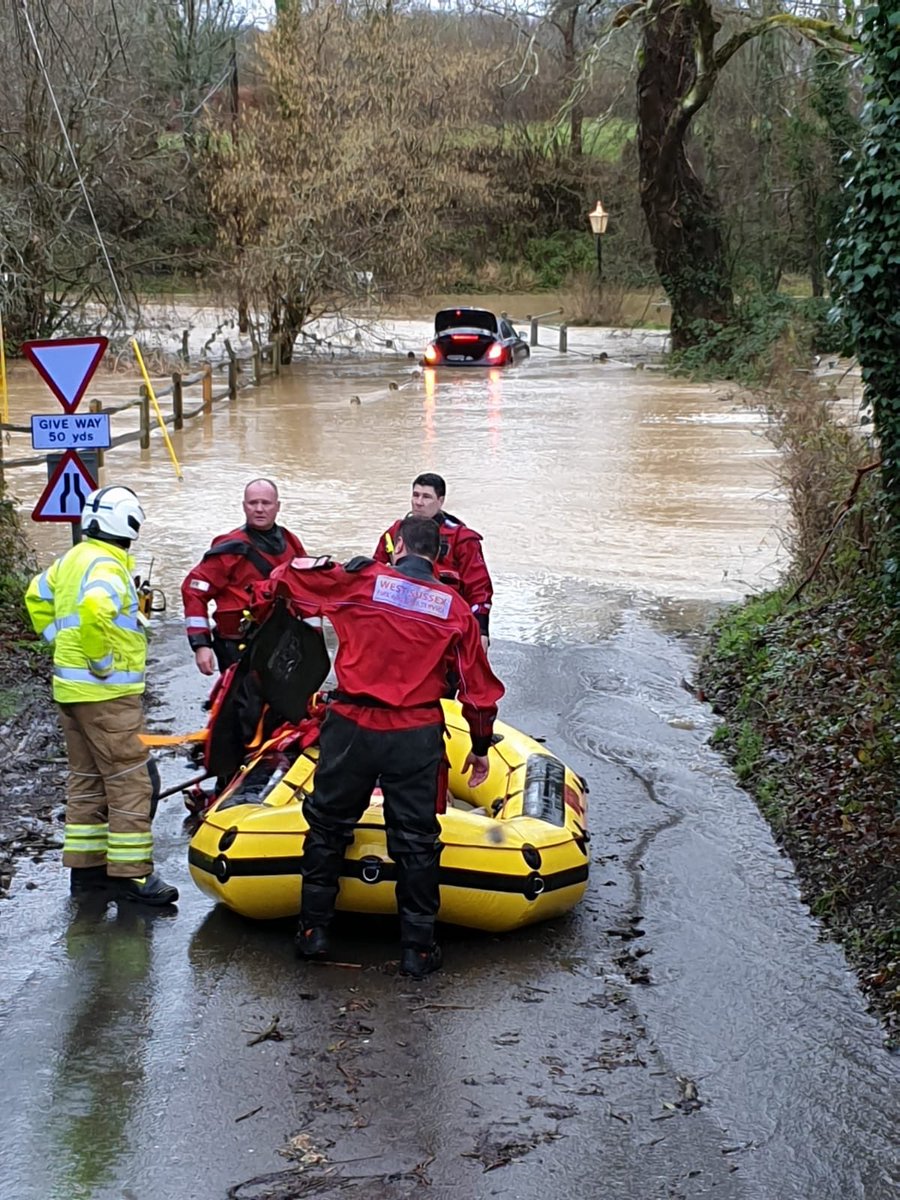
473 337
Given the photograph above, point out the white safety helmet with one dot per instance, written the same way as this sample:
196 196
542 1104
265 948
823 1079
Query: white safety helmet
112 512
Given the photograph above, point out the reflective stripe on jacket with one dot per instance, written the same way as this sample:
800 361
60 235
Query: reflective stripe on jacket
86 605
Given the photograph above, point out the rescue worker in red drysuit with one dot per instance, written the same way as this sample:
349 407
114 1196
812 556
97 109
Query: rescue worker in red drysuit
460 548
399 630
233 562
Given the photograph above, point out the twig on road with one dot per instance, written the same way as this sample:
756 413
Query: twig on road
271 1034
251 1113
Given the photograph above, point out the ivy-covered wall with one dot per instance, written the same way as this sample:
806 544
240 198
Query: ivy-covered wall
866 268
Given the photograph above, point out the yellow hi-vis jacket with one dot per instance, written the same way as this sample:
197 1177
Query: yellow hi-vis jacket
86 604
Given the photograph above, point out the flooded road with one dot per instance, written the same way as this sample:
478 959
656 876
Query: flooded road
682 1034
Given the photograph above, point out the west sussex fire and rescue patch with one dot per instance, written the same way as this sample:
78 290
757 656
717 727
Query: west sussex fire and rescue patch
414 597
200 585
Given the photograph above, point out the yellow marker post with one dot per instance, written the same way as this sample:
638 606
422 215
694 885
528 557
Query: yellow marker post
150 392
4 394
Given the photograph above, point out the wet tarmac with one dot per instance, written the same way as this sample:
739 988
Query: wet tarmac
683 1033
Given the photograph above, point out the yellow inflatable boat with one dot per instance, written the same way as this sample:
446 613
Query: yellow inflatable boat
515 848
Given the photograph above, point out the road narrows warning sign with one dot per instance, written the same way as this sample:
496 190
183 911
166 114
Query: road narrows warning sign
66 491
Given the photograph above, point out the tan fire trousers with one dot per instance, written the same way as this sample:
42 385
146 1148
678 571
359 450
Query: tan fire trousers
109 792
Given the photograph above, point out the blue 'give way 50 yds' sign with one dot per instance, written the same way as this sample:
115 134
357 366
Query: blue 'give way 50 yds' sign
90 430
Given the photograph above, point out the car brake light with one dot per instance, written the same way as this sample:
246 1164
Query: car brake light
463 337
497 353
431 354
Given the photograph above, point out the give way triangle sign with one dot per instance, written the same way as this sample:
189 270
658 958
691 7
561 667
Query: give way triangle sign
67 365
66 491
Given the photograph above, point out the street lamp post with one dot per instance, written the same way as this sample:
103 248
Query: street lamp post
599 219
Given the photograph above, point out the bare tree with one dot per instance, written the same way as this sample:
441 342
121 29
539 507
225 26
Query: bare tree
199 59
96 170
351 162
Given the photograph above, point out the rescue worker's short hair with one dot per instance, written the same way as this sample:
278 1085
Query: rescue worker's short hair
429 479
420 536
270 483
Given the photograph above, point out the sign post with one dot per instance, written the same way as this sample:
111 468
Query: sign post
67 366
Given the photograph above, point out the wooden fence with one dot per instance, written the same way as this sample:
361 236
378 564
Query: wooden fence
240 371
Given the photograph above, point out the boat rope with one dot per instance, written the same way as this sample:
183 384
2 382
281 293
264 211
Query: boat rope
62 125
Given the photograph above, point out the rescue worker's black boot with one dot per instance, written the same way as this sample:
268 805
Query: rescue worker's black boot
87 879
418 961
420 954
149 889
311 942
316 912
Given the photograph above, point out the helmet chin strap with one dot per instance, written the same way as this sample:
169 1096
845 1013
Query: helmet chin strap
100 536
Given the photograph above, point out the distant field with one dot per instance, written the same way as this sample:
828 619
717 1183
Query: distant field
602 139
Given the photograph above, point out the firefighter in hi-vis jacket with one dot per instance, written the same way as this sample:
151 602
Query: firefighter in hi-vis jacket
86 605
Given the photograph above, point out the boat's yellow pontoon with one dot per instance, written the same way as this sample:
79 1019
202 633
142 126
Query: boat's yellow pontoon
515 848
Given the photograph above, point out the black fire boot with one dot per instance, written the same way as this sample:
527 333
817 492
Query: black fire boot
88 879
419 961
311 942
149 889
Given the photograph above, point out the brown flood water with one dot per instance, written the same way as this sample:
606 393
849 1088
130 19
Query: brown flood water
622 479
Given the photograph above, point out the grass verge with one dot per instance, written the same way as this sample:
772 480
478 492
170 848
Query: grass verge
810 697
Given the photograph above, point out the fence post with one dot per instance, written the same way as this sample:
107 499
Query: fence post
276 352
206 384
145 417
533 340
185 351
257 365
232 370
95 406
177 401
563 338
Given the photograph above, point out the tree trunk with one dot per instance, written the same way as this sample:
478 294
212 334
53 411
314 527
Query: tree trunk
571 68
683 216
812 204
287 319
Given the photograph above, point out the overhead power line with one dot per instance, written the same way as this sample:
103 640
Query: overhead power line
123 308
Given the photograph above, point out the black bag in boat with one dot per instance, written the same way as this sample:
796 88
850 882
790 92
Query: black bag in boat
284 664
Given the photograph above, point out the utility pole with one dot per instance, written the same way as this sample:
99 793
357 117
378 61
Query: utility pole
243 312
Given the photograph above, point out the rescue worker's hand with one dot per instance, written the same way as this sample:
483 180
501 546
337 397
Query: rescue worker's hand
478 764
205 660
485 642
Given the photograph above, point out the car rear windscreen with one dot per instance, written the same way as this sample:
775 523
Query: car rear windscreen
465 318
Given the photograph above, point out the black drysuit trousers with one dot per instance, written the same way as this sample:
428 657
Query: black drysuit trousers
409 765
